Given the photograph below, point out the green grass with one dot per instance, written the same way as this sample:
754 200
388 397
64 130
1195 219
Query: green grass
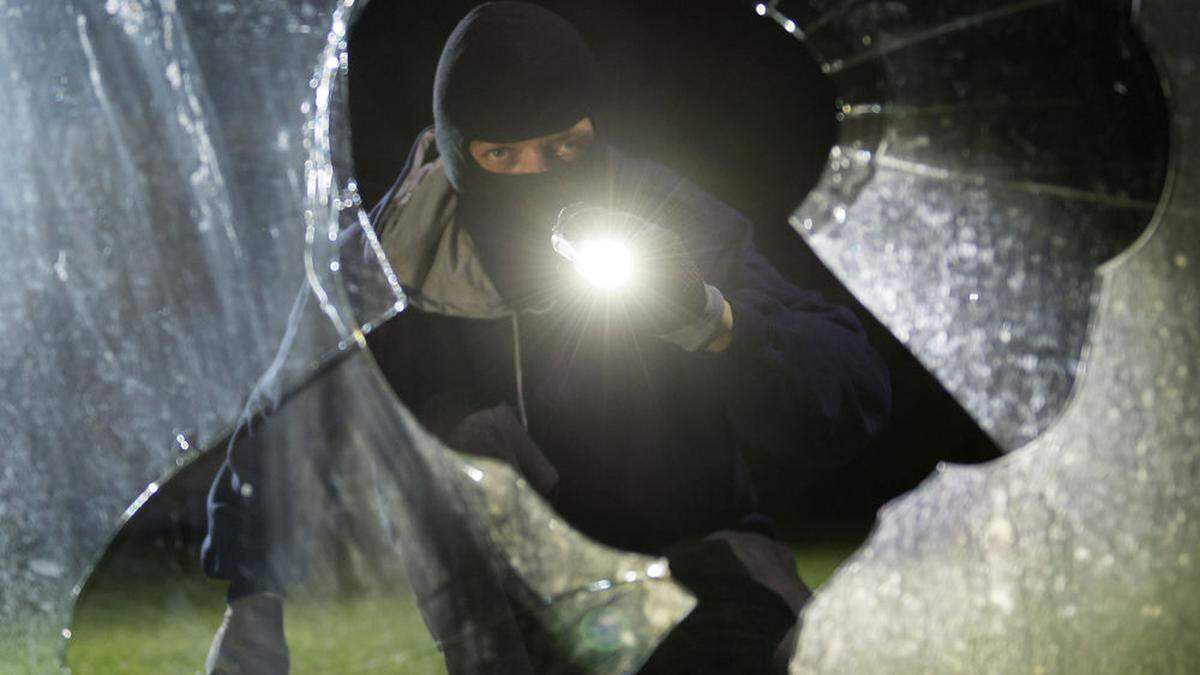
145 625
143 617
151 615
816 562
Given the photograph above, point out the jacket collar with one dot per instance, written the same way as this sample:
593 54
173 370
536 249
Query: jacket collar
434 258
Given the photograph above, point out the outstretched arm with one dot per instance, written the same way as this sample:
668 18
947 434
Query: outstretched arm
801 383
799 370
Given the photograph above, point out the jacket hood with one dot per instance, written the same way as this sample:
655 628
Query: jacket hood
433 256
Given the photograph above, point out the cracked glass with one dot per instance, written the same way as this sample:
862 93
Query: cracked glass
188 273
1025 142
1013 195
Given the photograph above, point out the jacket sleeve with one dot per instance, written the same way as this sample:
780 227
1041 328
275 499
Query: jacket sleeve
803 385
800 371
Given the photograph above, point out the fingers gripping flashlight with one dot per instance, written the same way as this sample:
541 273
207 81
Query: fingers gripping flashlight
598 251
661 289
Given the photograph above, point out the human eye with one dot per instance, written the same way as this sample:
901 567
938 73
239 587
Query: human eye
569 149
497 154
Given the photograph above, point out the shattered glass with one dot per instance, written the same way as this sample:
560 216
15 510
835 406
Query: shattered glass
1023 141
1003 197
187 268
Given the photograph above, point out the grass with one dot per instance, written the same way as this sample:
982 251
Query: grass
153 615
140 616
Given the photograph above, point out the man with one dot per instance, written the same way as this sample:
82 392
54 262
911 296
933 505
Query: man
638 413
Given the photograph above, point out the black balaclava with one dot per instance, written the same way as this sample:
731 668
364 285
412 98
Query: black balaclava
512 71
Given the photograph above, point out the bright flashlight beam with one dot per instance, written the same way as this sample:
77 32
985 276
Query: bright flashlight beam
605 264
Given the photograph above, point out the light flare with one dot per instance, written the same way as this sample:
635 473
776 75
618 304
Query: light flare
605 263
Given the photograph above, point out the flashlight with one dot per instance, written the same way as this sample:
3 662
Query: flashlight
600 255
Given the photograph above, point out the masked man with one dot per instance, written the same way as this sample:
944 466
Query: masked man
637 399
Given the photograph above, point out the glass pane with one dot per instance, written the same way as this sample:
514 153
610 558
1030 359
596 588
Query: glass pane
983 172
187 269
1075 553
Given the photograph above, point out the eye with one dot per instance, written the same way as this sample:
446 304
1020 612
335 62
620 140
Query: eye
497 154
569 150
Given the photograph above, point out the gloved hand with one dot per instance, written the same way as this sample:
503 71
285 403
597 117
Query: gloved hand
498 433
250 640
667 295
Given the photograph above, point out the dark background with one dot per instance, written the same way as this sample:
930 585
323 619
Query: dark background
721 95
734 103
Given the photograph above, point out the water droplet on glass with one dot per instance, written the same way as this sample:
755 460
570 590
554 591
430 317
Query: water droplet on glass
1001 598
46 568
1006 332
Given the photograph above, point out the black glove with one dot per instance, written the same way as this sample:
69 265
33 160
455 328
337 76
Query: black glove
497 433
666 295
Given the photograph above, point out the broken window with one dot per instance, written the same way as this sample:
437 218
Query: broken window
186 268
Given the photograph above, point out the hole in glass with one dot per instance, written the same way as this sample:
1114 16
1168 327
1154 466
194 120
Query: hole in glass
165 529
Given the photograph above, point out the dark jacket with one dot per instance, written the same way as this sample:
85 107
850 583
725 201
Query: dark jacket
651 444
